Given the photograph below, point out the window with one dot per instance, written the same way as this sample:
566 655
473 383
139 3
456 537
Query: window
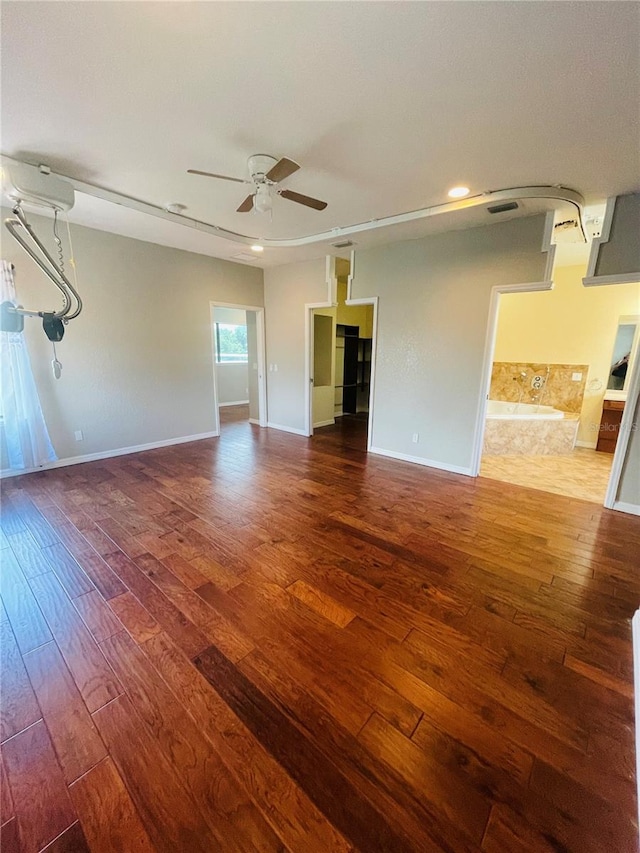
231 343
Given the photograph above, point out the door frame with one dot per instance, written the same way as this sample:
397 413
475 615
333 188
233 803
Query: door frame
260 335
332 284
624 436
487 361
626 425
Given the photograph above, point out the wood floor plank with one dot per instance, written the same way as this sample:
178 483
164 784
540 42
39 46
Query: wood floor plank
10 838
393 654
97 615
6 800
599 676
225 807
341 782
29 554
75 739
163 610
138 621
72 840
186 572
169 815
287 808
322 603
107 814
10 519
91 673
43 807
607 831
99 572
18 705
212 624
27 621
69 573
465 805
35 522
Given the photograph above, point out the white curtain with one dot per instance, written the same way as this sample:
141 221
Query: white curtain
27 441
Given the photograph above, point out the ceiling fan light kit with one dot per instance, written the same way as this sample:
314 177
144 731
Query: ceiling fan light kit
266 172
262 201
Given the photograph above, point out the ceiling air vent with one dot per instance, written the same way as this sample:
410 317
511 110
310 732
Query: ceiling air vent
243 256
345 244
502 208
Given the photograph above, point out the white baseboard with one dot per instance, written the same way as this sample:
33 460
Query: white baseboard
635 633
255 421
621 506
235 403
330 422
287 429
420 460
590 445
108 454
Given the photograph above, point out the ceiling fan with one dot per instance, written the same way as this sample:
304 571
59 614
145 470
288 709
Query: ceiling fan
265 173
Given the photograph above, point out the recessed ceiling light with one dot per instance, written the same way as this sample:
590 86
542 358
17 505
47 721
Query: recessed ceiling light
458 192
257 248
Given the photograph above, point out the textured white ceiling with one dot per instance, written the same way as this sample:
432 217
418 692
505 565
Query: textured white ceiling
385 105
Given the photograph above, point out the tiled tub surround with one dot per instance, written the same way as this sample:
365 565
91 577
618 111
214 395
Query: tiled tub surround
561 391
528 430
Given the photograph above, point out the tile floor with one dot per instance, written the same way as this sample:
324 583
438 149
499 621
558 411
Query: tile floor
584 474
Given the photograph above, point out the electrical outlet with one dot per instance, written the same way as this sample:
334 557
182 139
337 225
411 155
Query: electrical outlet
415 438
78 435
576 377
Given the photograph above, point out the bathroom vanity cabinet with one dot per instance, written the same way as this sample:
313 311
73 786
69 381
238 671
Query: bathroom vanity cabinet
610 425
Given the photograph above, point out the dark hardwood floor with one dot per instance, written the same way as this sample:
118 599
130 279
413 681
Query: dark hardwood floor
263 642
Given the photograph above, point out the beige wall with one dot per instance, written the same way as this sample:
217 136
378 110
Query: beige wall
354 315
324 352
432 320
286 291
138 364
570 324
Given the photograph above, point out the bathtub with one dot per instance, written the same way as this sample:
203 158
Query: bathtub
525 429
501 410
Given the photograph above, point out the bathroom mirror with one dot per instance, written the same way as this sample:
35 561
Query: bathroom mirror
624 350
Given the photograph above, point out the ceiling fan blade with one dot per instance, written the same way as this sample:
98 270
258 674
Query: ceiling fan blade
315 203
282 169
246 205
222 177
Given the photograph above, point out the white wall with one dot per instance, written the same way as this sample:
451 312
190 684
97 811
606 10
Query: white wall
233 379
232 316
138 363
629 488
253 380
233 383
432 319
286 290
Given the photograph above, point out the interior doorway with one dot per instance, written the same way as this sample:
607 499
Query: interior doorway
238 365
342 349
558 385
